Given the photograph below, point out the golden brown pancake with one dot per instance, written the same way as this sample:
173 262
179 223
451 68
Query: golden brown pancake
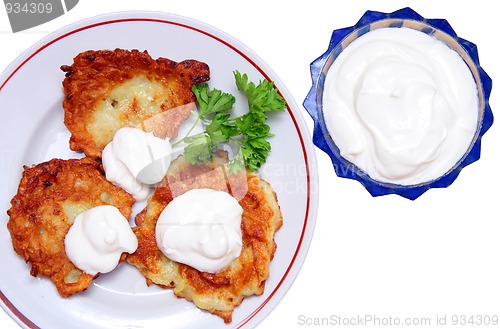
106 90
49 197
217 293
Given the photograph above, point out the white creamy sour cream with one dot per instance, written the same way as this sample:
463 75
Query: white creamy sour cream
201 228
97 239
400 105
136 159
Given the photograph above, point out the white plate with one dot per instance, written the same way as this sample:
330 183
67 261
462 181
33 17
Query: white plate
32 131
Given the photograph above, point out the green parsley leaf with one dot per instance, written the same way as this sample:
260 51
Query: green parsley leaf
249 132
237 163
199 149
261 98
255 153
212 101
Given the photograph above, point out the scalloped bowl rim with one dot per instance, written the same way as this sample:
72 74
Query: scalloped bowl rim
405 17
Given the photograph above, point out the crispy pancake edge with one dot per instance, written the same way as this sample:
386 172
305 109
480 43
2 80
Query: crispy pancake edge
217 293
38 221
94 74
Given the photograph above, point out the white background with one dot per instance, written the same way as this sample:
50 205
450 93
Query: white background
386 256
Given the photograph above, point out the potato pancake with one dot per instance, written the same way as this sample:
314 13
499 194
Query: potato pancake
106 90
221 292
49 197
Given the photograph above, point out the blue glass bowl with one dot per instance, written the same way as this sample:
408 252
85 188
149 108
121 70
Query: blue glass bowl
406 17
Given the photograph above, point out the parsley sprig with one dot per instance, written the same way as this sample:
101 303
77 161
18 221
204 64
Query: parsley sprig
249 132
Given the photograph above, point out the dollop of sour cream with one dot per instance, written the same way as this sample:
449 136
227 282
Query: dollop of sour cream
400 105
201 228
97 239
135 159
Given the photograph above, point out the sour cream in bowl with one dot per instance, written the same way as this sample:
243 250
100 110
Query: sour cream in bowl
400 103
